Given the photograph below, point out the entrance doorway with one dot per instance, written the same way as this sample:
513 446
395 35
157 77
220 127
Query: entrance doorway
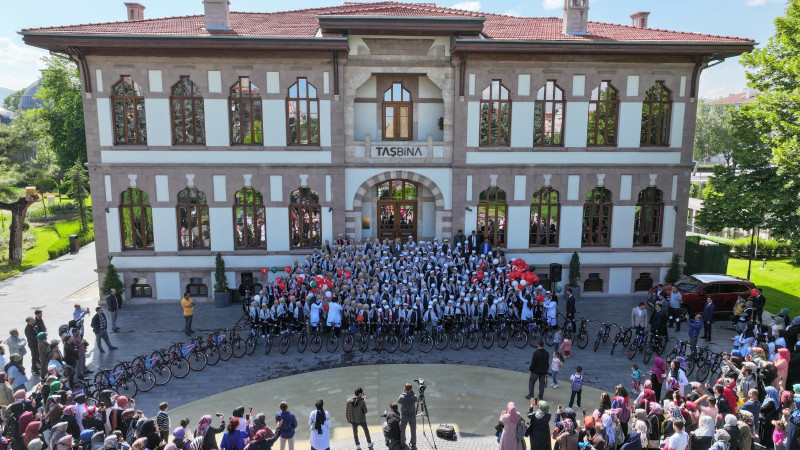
397 209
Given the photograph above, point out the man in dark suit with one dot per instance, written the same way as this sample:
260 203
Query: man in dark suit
571 308
459 238
658 322
708 317
473 241
486 247
759 301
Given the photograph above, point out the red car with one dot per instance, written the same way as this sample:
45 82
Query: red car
694 289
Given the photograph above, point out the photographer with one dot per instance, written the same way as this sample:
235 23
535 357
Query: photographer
356 414
408 415
391 429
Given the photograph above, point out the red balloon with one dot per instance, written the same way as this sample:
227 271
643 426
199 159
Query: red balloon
754 292
300 280
483 264
340 272
282 286
474 280
264 271
479 276
326 307
288 269
313 290
540 298
360 319
348 275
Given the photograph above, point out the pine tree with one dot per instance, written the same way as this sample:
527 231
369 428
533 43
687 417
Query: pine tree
220 280
674 272
574 270
79 190
112 281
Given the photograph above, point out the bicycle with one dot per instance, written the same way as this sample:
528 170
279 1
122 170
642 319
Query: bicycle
472 338
679 351
602 335
655 344
637 344
107 379
406 339
623 336
135 370
583 335
528 332
252 341
711 363
285 340
426 341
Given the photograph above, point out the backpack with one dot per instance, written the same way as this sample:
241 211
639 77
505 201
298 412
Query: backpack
348 411
522 427
577 383
446 432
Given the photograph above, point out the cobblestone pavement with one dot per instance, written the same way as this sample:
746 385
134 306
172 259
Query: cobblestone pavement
55 286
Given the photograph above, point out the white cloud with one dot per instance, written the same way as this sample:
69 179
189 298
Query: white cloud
552 4
515 12
19 65
761 2
470 5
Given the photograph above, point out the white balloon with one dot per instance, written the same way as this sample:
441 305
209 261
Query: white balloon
522 282
328 294
495 261
515 283
257 298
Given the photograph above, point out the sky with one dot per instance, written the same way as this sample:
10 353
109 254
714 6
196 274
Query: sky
754 19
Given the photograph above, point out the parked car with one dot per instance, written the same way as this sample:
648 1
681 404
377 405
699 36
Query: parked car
695 289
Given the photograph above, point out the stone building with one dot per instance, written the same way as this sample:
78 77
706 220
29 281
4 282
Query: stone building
263 135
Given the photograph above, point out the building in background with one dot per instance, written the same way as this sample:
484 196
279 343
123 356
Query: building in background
264 135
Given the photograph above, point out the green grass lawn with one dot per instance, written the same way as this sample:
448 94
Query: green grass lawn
45 237
780 282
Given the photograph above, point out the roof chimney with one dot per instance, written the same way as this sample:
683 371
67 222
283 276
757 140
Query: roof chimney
576 17
639 19
135 11
217 14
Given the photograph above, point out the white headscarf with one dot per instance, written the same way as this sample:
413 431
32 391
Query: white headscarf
706 427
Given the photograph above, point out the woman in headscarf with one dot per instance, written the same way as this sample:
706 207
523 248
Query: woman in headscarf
634 442
139 444
646 396
539 428
608 425
770 410
65 443
261 441
58 431
510 418
258 422
721 440
654 421
732 428
600 439
641 427
657 378
6 394
208 432
320 423
24 420
68 415
98 439
568 439
703 436
31 432
150 431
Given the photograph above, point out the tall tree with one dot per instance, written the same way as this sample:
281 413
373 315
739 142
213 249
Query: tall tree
63 110
713 134
17 205
11 102
79 190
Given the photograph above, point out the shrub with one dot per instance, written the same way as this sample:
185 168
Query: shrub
574 270
58 209
674 272
767 248
26 226
112 281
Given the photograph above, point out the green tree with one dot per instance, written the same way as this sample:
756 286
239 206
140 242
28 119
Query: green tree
17 205
63 110
23 138
575 270
674 271
11 102
112 281
713 134
79 190
220 280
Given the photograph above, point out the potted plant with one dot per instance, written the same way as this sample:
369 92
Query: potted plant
112 281
674 272
574 282
222 296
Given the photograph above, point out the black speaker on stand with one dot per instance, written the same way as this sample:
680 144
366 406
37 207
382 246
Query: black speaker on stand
555 272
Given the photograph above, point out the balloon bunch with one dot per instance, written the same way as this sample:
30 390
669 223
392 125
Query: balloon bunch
478 274
343 273
521 277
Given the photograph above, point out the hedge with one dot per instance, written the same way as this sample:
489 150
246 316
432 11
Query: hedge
61 246
767 248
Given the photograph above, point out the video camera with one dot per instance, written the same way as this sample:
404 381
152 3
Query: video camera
421 384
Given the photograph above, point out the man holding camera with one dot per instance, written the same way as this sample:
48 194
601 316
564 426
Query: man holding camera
356 413
408 415
391 429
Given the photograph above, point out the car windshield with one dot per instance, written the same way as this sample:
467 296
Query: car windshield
689 285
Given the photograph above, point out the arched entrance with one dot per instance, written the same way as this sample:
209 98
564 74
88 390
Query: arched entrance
397 209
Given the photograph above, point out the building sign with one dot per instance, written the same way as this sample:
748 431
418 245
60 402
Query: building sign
402 152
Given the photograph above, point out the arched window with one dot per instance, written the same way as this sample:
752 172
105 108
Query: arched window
136 220
245 113
127 110
495 126
603 113
548 126
302 108
656 115
193 221
649 218
597 218
305 224
545 210
188 113
249 219
492 216
397 114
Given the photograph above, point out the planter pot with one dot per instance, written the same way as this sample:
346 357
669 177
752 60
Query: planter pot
222 299
576 291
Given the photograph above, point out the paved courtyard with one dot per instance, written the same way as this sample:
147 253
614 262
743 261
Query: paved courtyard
56 286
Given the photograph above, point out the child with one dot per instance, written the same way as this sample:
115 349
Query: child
566 345
577 386
162 421
556 364
779 434
637 376
558 337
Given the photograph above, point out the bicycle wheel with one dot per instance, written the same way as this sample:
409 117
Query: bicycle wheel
487 339
302 343
520 339
596 343
363 343
702 372
197 361
145 380
406 343
392 343
442 340
472 340
583 340
267 345
179 367
626 338
549 337
162 374
225 351
672 355
316 343
632 350
284 343
380 343
212 355
426 343
648 353
457 341
503 336
689 366
332 343
614 344
239 347
126 388
348 341
250 345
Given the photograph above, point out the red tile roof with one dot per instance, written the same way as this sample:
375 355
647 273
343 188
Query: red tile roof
735 99
304 23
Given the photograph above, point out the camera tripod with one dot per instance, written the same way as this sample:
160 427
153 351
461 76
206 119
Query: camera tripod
245 308
421 410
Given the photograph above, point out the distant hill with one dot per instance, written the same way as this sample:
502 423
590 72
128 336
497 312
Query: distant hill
5 92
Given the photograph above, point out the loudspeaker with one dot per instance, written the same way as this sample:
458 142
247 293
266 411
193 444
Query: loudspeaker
247 281
555 272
